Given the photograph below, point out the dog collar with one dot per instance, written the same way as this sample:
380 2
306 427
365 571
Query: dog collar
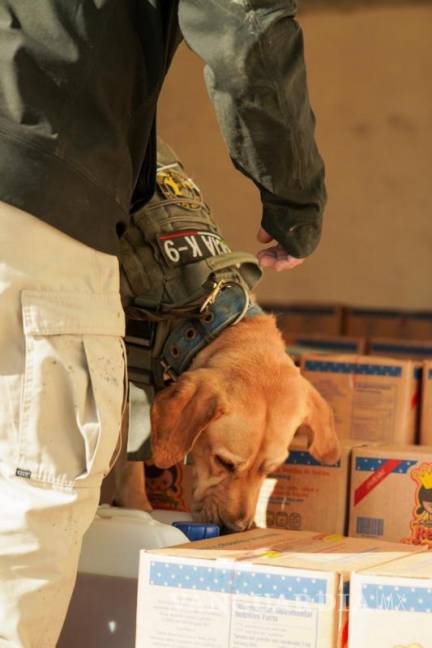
230 306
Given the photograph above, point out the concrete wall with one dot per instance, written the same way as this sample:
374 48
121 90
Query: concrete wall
370 72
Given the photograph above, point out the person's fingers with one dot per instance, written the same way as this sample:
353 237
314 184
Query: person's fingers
286 264
277 258
267 252
263 237
266 260
281 253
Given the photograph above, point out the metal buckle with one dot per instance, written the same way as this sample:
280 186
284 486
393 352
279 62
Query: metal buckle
168 371
211 297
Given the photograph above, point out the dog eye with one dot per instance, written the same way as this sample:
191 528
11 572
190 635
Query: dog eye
228 465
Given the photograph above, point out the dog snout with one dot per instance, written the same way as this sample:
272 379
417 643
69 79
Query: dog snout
236 526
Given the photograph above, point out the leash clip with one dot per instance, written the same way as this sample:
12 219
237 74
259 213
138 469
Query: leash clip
211 297
168 371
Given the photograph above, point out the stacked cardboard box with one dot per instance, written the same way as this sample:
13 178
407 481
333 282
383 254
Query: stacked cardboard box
373 399
373 322
391 323
395 348
259 589
299 343
303 494
391 493
169 488
391 604
335 319
325 319
426 405
418 325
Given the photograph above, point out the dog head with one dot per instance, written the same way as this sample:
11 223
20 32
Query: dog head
237 422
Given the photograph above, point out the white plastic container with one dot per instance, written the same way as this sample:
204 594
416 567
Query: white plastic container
103 606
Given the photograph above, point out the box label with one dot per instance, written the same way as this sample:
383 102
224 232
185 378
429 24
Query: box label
371 400
363 369
390 613
421 523
380 468
392 498
303 458
396 598
303 494
230 607
168 488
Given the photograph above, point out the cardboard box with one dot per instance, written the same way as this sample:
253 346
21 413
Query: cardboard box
391 493
397 348
426 405
373 322
418 325
391 605
393 323
169 488
302 494
298 344
265 588
373 399
310 318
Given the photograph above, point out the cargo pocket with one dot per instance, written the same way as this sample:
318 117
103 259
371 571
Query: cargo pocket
73 387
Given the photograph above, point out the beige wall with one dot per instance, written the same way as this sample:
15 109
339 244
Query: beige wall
370 79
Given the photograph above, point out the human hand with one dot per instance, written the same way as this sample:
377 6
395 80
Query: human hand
275 257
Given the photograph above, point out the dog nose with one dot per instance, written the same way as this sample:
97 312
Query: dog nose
237 527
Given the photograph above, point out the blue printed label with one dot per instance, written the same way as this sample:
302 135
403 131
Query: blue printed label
252 583
372 464
364 369
391 597
301 458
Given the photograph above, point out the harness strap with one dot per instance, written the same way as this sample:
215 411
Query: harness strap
192 281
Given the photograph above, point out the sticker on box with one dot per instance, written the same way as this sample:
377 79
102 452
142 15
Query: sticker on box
391 494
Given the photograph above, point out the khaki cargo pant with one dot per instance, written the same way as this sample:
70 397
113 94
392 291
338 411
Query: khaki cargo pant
61 399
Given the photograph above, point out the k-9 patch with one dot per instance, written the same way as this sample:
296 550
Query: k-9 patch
188 246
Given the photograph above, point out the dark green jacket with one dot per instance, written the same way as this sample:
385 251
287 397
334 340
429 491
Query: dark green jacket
79 84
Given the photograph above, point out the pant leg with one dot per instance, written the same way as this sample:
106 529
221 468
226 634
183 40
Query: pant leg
61 399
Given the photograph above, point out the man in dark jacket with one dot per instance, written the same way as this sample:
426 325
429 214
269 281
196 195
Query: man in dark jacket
79 84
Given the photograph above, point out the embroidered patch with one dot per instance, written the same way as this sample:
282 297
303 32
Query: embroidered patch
188 246
175 185
23 473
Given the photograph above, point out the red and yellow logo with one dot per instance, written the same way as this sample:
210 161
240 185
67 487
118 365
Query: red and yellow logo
421 523
165 487
177 187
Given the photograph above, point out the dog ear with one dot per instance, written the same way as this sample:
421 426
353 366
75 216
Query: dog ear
180 413
325 446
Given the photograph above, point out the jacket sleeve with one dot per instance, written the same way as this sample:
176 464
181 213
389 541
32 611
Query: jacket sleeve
255 75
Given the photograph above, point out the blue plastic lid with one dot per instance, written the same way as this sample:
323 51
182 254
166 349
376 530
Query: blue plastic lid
197 530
